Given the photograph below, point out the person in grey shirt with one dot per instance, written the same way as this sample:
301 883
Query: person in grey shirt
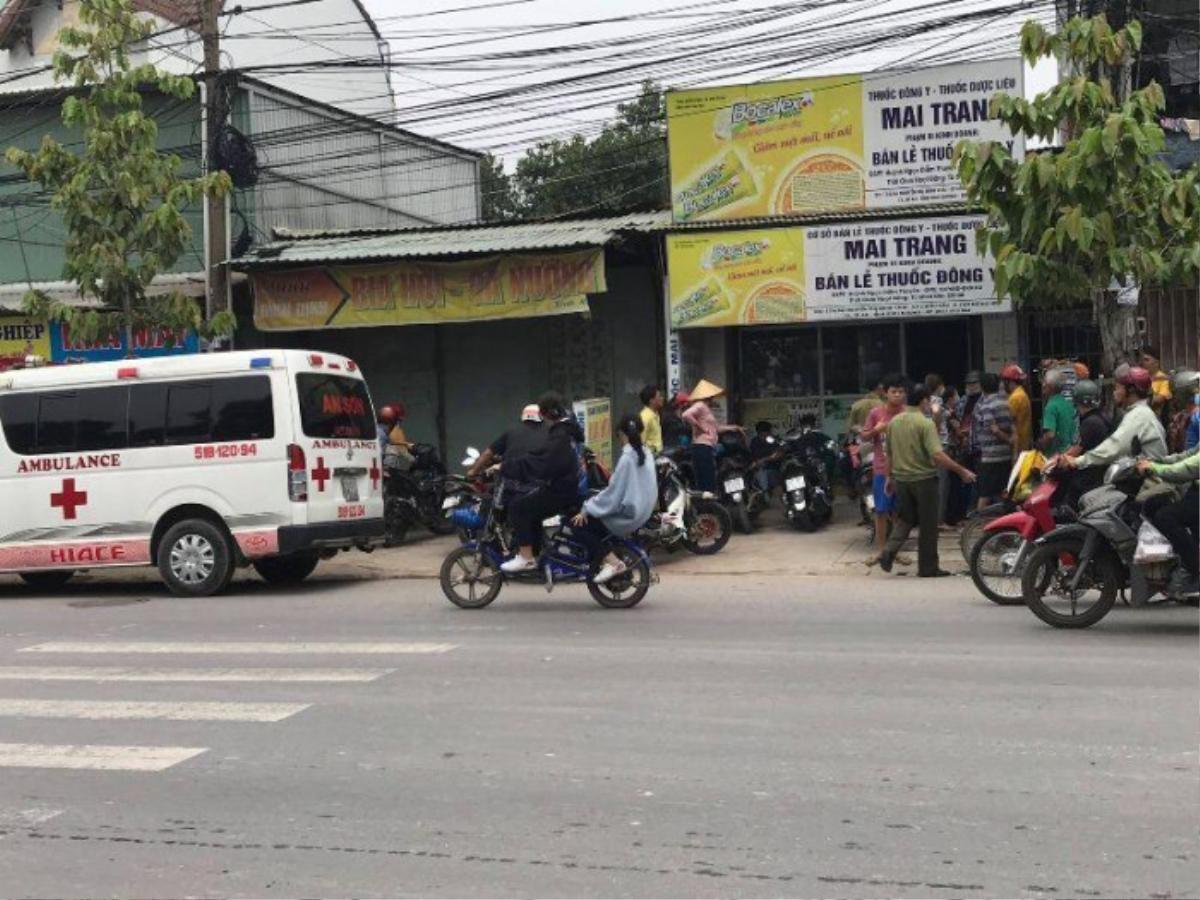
1140 432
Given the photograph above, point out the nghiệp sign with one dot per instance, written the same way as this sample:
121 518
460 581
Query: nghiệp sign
896 269
843 142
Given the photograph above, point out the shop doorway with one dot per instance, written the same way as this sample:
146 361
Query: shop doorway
948 347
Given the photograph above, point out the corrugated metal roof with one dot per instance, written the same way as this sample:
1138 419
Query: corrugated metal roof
366 244
312 247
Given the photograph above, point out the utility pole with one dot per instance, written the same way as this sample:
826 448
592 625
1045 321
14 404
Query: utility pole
217 233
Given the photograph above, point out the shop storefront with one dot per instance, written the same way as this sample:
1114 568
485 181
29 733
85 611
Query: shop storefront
821 239
465 326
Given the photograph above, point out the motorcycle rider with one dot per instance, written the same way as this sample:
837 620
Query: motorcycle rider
551 481
625 504
1185 425
512 446
1140 432
1177 519
392 439
1094 428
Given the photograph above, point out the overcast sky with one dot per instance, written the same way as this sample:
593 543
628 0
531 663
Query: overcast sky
443 48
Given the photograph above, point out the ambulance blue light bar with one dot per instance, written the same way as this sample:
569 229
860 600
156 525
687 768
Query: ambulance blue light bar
260 362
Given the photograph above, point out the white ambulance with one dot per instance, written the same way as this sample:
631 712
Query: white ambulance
195 464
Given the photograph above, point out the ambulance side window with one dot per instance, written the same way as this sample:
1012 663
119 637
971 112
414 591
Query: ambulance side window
103 419
188 413
242 410
18 413
56 423
147 415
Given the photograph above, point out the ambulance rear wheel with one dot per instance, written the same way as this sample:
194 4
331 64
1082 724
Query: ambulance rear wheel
195 559
47 581
290 569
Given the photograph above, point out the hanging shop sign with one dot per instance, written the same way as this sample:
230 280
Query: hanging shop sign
147 342
21 338
426 293
595 418
875 141
897 269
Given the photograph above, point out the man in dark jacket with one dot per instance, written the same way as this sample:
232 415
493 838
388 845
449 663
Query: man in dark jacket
550 483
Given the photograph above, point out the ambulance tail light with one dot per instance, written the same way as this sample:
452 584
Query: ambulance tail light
127 372
297 474
315 360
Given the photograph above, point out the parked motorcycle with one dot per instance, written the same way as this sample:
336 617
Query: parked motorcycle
1072 576
863 475
735 482
998 557
471 576
807 493
413 494
685 518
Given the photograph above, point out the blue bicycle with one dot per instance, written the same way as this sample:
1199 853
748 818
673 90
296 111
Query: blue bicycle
471 576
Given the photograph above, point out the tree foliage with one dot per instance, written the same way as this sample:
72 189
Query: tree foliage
121 200
623 168
1063 223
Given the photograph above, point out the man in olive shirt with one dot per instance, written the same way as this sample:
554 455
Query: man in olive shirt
914 455
862 408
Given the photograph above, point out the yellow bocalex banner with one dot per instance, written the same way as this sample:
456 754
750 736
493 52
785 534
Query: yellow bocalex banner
736 278
425 293
843 142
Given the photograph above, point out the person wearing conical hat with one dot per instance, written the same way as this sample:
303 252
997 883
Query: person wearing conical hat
705 431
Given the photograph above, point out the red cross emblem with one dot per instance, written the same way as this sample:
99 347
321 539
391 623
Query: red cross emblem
321 474
375 473
69 499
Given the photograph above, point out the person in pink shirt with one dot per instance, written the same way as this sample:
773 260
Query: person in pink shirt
875 430
705 430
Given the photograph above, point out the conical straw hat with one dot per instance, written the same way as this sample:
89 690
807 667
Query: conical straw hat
706 390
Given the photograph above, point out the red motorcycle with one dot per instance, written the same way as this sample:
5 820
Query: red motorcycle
998 558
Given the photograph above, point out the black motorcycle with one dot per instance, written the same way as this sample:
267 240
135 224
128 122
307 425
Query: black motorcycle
1072 576
736 487
807 492
414 494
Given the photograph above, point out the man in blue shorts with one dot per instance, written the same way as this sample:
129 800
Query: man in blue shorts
875 430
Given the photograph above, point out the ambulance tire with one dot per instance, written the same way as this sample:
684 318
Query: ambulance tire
47 581
195 559
284 570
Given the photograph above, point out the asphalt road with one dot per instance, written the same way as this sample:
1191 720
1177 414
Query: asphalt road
731 736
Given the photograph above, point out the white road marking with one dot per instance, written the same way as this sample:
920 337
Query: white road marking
94 756
180 711
246 647
123 673
24 818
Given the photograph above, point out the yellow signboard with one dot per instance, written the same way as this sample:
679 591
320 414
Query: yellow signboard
736 277
849 271
766 149
880 140
595 417
424 293
21 337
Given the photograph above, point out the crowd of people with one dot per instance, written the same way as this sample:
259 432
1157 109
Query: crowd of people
938 453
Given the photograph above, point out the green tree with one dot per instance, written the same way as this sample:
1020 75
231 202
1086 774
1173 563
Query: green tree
623 168
121 200
1062 224
496 189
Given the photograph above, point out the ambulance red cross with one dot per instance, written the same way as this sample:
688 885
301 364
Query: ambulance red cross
194 464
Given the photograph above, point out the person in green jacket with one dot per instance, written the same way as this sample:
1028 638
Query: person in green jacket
1177 519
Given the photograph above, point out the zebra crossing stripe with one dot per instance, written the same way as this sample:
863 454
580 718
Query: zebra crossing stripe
179 711
126 673
243 647
94 756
